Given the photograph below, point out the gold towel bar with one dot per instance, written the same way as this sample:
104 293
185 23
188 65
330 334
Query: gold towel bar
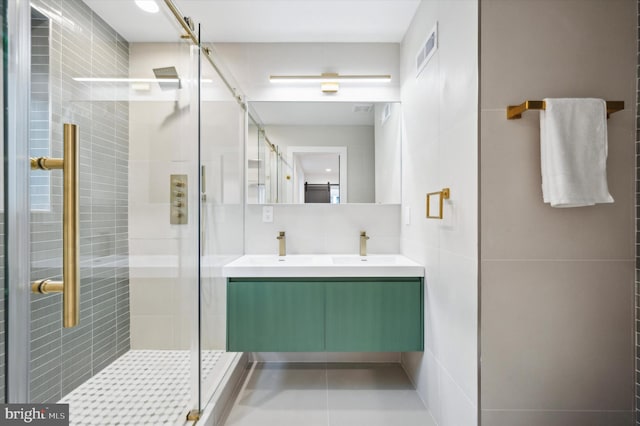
515 111
442 195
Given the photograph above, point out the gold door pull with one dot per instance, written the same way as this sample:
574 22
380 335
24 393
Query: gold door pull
70 284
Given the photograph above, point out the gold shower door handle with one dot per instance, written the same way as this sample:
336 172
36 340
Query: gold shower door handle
70 284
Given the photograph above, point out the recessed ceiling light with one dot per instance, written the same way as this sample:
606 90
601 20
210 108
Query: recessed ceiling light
149 6
327 170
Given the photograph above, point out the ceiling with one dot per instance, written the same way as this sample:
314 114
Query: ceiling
315 166
272 21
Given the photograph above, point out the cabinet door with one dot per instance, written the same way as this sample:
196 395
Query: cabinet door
374 316
275 316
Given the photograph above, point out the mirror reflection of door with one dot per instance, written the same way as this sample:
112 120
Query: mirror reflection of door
369 132
317 177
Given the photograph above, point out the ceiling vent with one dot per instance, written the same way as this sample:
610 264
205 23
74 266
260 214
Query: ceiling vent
427 50
363 108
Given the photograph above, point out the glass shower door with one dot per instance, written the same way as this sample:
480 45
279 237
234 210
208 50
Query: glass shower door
223 126
130 232
3 119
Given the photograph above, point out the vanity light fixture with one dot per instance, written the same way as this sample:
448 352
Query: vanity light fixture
149 6
329 82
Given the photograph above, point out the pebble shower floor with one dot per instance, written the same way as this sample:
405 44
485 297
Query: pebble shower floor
139 388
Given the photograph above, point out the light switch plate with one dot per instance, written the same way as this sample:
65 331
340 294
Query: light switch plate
267 214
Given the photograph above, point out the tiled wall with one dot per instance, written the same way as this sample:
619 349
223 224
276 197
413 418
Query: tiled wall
324 228
556 284
83 45
39 141
2 257
164 256
439 149
637 275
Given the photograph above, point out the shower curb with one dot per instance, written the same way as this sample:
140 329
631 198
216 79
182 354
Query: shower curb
217 409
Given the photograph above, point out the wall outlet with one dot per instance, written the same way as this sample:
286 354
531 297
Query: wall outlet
267 214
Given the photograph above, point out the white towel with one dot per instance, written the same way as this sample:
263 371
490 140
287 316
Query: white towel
573 147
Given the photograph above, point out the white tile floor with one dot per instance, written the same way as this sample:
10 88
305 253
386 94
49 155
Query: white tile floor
139 388
328 395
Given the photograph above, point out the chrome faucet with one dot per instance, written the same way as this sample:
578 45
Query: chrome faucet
363 243
282 244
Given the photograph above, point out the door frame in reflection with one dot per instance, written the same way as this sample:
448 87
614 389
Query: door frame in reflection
298 186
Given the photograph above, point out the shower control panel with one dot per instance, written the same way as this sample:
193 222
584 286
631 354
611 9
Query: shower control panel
179 207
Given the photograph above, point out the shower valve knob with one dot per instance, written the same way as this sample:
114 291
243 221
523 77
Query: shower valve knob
178 200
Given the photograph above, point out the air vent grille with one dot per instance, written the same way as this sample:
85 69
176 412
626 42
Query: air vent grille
386 113
427 50
363 108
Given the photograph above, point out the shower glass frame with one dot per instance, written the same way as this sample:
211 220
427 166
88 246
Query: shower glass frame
16 91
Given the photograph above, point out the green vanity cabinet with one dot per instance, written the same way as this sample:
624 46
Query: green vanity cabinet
325 314
374 316
275 316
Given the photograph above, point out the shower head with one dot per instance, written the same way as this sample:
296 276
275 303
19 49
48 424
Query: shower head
169 73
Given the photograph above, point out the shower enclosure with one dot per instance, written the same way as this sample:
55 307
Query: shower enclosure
123 185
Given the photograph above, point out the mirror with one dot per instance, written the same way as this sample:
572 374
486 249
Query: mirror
324 152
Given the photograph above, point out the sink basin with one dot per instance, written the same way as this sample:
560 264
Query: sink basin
272 260
364 260
323 265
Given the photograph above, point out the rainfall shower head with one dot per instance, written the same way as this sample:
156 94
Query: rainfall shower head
169 73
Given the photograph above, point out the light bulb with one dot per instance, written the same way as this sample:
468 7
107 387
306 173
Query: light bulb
149 6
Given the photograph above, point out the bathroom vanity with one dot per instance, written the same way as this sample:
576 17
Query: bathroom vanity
324 303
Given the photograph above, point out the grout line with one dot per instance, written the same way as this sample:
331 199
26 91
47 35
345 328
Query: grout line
516 410
444 370
415 386
326 382
556 260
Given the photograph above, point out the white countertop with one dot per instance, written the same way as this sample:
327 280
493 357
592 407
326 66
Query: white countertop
322 265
